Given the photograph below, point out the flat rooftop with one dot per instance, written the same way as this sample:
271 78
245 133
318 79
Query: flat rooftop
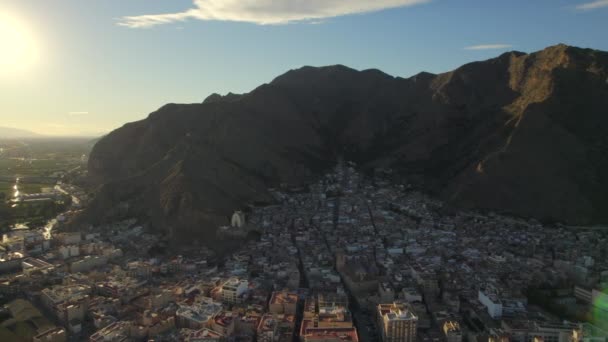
309 332
205 333
283 298
396 312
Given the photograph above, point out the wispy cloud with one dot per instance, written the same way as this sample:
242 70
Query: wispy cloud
592 5
266 12
489 47
78 113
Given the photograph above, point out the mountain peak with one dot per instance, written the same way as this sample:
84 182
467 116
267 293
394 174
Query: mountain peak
312 74
215 97
523 134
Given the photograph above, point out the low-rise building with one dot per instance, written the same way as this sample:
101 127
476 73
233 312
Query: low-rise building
492 303
311 333
233 289
88 263
224 323
204 335
283 302
51 335
583 294
198 315
117 331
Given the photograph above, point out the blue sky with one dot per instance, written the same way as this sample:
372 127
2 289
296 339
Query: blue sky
102 63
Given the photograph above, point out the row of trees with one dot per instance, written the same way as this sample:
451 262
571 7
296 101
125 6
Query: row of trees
5 212
34 213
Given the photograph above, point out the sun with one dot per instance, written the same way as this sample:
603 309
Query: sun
17 48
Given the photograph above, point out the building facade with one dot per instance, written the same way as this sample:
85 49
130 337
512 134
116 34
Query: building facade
397 322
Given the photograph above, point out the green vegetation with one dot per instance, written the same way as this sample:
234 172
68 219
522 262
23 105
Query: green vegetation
38 163
600 312
35 168
25 187
544 298
7 335
41 158
34 214
39 212
23 323
6 188
25 330
6 216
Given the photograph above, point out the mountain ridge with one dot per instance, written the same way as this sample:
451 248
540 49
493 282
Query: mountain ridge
492 135
15 133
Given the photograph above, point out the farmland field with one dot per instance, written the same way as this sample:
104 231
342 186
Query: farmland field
24 187
38 163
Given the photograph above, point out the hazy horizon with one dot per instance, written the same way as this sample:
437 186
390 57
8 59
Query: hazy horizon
21 133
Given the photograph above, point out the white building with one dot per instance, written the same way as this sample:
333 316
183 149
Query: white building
197 315
411 295
88 263
238 219
69 251
491 302
233 289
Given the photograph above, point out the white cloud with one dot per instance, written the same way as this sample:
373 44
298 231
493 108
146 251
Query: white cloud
489 47
265 12
592 5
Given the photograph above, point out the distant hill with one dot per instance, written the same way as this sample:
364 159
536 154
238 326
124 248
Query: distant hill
14 133
525 134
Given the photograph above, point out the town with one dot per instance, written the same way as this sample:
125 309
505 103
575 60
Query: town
349 258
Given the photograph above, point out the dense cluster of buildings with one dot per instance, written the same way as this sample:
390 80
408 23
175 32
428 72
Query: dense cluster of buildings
349 259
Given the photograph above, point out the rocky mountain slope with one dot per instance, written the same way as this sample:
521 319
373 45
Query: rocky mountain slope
525 134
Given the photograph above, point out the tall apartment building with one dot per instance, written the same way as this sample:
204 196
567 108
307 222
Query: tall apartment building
397 323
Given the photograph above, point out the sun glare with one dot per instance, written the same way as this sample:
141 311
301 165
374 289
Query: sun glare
17 47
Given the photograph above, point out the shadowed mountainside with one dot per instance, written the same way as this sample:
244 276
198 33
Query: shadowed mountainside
525 134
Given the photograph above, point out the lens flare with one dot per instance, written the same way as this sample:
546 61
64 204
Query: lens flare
17 47
600 308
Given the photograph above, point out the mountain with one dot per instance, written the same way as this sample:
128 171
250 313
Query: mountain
525 134
14 133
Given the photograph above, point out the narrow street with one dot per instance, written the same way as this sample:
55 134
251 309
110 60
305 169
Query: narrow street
303 285
362 319
362 322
